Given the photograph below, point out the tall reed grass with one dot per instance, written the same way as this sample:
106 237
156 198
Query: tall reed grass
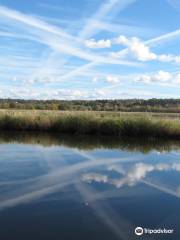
90 123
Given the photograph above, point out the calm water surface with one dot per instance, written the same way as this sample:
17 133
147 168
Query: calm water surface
87 189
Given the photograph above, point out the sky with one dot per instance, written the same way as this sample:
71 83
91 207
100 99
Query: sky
89 49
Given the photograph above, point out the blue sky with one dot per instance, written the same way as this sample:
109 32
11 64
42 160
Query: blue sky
98 49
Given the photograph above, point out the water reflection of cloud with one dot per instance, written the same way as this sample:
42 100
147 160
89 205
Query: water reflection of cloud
95 177
118 225
64 174
139 172
59 173
135 174
54 180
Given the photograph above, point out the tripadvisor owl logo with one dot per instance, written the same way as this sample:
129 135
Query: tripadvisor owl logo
139 231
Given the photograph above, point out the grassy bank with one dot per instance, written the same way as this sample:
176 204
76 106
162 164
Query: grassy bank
91 123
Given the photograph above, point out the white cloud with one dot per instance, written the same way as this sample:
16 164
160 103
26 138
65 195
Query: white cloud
162 77
176 79
43 94
168 58
95 79
98 44
136 48
112 79
64 44
98 93
140 51
152 42
52 38
55 38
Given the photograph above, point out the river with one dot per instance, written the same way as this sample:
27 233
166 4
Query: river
72 187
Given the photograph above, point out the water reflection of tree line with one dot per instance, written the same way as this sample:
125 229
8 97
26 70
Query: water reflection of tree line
90 142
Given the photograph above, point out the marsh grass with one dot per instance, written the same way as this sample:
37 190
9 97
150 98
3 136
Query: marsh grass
93 123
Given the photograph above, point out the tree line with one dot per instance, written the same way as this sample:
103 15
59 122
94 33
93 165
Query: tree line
127 105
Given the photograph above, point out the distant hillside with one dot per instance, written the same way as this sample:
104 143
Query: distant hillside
129 105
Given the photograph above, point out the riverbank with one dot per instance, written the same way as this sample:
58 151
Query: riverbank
91 123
